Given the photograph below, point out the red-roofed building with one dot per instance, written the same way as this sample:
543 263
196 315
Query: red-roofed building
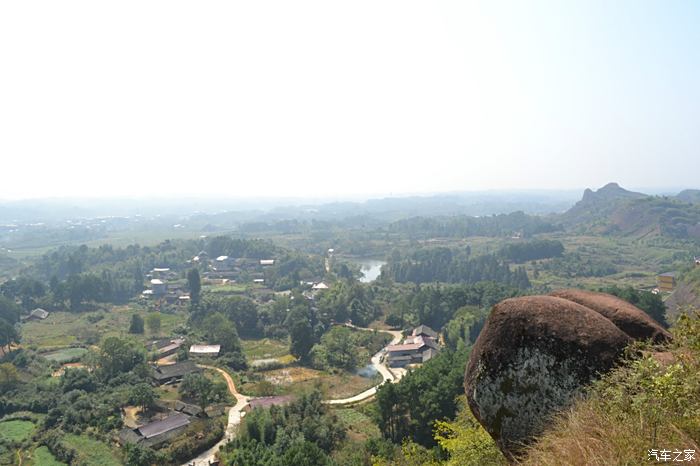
415 349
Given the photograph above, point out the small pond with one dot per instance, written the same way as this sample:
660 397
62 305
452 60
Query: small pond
371 269
367 372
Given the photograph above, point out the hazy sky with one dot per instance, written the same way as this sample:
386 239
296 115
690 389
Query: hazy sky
297 98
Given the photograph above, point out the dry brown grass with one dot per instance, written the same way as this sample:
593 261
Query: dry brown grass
589 435
584 436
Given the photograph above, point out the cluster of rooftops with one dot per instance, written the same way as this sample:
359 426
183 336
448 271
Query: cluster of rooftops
419 347
416 348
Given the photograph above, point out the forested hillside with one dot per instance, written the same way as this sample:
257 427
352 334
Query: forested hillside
614 211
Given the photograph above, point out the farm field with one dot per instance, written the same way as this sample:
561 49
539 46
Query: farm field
16 430
65 355
68 328
360 426
265 348
296 380
90 451
43 457
228 288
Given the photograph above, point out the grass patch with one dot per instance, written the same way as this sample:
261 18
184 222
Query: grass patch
360 426
65 355
286 359
265 348
228 288
297 380
67 328
90 451
16 430
43 457
167 392
649 403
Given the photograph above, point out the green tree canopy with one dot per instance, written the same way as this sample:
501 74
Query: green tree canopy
197 387
9 311
301 334
136 325
117 356
142 395
8 375
194 284
8 335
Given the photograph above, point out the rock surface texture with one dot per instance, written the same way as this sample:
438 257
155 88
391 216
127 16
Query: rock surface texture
628 318
533 356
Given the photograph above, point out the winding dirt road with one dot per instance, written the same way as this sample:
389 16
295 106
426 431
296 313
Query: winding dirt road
236 413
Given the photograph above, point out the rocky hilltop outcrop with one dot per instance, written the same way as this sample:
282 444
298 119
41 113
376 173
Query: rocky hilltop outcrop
613 210
598 205
627 317
536 353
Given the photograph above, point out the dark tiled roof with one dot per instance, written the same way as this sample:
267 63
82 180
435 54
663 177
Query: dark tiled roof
405 347
158 344
429 354
179 369
431 343
165 425
128 436
424 330
192 410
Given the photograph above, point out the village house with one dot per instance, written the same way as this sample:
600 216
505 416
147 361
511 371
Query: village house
167 347
157 432
159 287
160 272
417 348
37 314
267 262
223 263
425 331
205 350
174 372
202 257
697 260
186 408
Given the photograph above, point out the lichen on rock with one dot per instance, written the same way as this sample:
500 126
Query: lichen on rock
533 356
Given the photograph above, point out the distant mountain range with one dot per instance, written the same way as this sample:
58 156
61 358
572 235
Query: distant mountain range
615 210
232 212
609 210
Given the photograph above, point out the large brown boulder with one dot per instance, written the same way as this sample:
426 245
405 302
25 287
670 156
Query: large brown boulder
532 357
627 317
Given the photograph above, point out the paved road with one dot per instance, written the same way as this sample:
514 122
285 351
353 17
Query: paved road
235 415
